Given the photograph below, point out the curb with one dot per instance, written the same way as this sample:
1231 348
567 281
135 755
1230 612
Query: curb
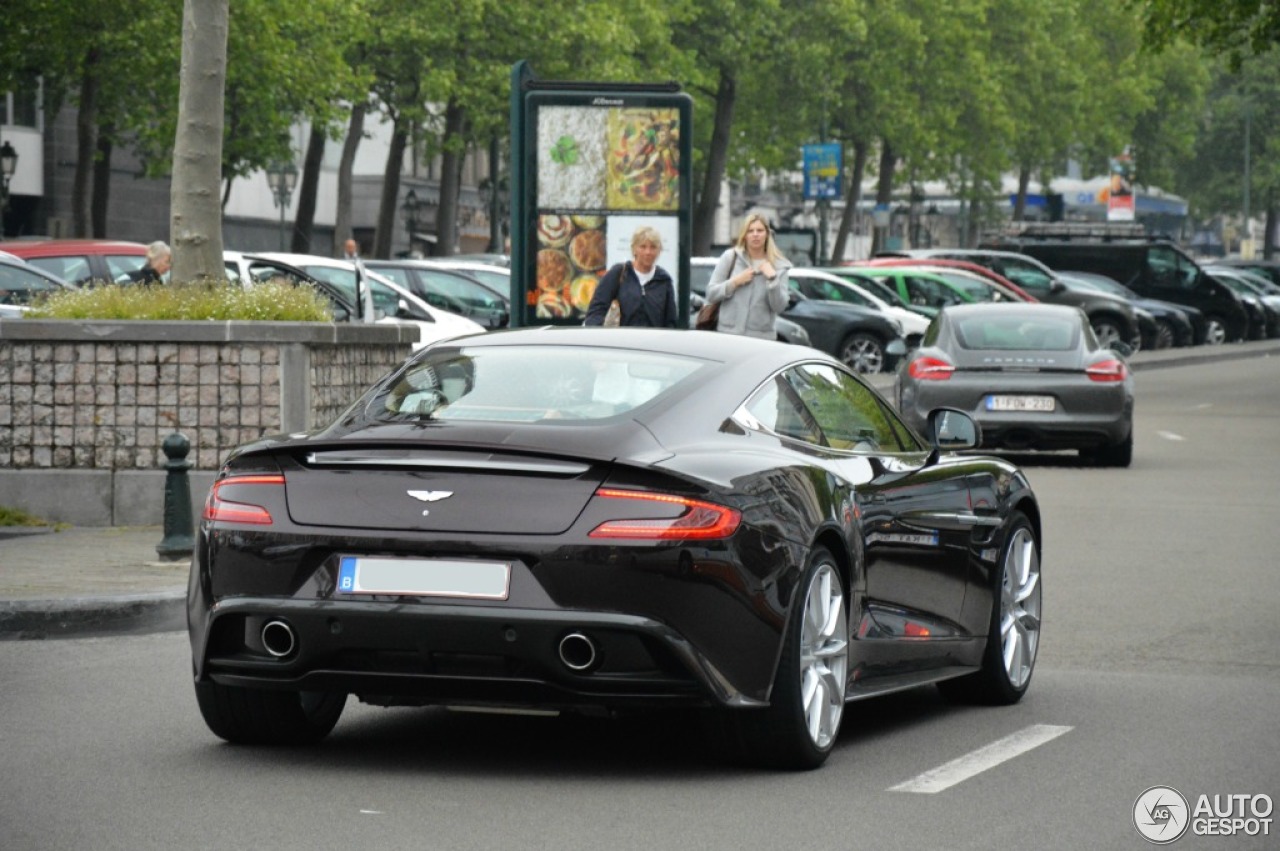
86 616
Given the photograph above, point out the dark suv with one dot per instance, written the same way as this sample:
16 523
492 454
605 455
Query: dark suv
1113 319
1154 268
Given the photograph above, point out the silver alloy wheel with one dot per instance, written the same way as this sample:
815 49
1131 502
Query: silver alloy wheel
1215 332
1020 608
824 655
863 354
1107 333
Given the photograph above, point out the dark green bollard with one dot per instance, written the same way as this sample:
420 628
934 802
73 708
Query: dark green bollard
178 541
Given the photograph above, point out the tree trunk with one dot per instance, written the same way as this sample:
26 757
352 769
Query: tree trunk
1020 201
101 181
195 225
86 146
342 230
304 220
455 130
390 192
704 218
884 193
852 196
1269 234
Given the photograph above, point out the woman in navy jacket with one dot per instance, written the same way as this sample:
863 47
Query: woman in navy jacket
645 293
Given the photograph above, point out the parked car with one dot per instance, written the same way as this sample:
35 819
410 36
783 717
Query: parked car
249 270
20 283
1269 269
392 302
825 286
562 519
882 287
927 288
494 276
1112 318
1264 307
1034 377
865 339
447 289
1006 288
1152 268
1176 324
81 261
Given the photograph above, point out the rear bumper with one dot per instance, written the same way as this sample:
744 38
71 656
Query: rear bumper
442 654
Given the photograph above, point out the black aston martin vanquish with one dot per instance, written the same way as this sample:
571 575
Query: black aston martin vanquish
603 518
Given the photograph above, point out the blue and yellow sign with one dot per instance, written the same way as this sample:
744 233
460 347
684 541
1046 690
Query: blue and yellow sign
822 166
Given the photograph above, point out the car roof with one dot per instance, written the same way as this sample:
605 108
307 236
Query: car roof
1028 309
61 247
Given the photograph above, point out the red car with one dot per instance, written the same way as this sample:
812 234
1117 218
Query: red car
80 261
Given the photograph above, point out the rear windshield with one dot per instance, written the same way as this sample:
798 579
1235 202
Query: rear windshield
1019 332
529 384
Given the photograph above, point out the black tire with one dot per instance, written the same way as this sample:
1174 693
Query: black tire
791 734
1116 455
1015 625
863 353
250 716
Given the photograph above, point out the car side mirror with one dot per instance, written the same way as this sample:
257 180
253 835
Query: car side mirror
793 298
1056 286
951 429
1121 348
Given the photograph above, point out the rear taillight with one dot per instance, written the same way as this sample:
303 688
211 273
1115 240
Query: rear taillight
233 500
700 521
1108 370
930 369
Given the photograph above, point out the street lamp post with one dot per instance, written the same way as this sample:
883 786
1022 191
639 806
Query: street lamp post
411 206
495 202
8 165
282 178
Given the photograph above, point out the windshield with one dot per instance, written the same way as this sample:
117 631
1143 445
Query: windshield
529 384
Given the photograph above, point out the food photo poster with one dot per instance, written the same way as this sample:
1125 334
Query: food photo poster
602 172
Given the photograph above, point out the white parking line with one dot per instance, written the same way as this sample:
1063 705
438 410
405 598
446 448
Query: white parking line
948 775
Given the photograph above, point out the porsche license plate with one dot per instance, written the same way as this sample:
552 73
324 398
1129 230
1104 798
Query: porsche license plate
484 580
1020 403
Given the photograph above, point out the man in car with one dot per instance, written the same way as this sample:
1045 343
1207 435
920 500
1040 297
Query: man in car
159 259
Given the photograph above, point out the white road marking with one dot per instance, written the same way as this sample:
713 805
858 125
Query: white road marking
1168 435
371 812
947 775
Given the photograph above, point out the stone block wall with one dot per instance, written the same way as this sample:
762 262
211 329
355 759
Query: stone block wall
102 396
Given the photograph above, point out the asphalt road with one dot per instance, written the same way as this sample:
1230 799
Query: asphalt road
1157 668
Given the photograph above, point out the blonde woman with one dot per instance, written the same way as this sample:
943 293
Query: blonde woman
645 293
750 282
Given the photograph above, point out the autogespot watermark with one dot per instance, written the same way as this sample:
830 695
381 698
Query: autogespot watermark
1162 815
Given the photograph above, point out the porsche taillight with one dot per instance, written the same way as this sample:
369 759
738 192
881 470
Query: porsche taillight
930 369
233 500
697 520
1108 370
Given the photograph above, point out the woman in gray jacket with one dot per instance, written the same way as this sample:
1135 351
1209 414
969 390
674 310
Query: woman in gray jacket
750 282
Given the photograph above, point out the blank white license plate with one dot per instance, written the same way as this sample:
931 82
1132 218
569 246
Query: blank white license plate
435 577
1020 403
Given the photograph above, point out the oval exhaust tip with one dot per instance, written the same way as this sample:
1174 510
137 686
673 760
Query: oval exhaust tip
578 652
278 639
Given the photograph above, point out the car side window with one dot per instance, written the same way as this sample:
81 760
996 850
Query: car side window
1171 269
72 269
119 266
848 414
778 409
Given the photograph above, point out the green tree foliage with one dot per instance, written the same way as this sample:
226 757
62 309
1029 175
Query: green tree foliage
1231 28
